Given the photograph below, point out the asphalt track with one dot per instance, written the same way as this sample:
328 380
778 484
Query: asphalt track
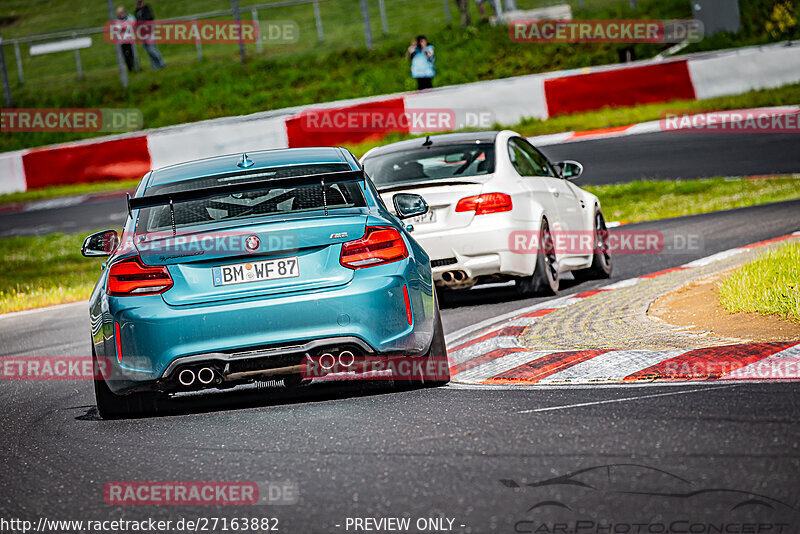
666 457
665 155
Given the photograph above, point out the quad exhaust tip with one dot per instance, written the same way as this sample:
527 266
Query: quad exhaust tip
186 377
205 375
346 358
327 361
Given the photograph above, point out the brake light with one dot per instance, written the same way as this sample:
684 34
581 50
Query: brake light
380 244
129 277
486 203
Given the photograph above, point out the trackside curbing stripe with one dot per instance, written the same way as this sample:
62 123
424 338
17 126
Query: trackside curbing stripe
536 370
709 363
476 358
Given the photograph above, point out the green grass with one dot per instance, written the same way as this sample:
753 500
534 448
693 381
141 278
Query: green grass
44 270
309 71
659 199
67 190
769 285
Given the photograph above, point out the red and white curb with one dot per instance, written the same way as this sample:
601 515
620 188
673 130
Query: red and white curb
489 352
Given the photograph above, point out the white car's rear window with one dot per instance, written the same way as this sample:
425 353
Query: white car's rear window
432 163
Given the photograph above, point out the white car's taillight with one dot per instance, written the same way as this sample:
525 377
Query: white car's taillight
486 203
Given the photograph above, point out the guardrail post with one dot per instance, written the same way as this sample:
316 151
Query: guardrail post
198 43
384 23
4 74
20 74
78 64
318 21
237 16
259 46
367 26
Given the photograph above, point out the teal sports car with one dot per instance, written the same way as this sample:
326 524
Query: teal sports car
275 265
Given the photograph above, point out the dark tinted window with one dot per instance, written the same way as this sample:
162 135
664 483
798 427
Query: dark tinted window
434 163
524 156
266 201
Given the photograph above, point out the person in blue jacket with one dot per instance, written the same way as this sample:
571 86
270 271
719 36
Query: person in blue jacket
423 62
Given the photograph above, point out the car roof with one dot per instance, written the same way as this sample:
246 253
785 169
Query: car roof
262 159
437 140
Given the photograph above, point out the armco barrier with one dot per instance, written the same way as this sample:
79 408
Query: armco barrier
619 87
509 100
318 126
176 144
746 69
127 157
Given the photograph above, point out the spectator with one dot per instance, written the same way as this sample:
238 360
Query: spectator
482 9
127 48
145 14
423 62
463 8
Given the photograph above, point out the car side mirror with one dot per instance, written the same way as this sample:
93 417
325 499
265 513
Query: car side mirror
570 170
100 244
409 205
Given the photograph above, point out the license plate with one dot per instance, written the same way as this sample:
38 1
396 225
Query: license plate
255 271
425 218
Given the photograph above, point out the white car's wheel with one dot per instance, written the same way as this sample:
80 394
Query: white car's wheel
601 261
544 280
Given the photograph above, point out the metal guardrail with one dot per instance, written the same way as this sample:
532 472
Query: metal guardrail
76 33
195 16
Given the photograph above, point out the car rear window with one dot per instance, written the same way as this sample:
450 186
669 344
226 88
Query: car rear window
259 203
430 164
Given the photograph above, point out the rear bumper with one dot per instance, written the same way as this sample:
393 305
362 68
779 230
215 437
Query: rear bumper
371 309
480 249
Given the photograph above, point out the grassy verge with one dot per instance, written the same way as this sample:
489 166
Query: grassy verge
46 270
658 199
67 190
769 285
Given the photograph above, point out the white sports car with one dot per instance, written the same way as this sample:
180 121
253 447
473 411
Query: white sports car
499 210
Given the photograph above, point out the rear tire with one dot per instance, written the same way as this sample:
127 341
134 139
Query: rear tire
544 281
436 357
601 261
113 406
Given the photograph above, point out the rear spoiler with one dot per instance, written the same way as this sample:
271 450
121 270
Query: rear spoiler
220 190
